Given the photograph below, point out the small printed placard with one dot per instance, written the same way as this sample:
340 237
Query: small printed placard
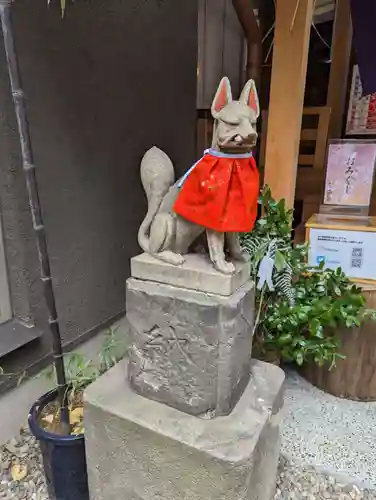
353 251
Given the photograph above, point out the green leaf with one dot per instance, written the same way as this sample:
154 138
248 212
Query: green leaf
316 328
280 261
21 378
302 316
349 322
285 338
357 322
337 291
266 194
299 358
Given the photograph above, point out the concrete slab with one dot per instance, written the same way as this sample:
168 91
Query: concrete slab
197 273
140 449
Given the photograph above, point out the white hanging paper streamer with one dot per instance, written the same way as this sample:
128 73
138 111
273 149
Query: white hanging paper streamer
265 271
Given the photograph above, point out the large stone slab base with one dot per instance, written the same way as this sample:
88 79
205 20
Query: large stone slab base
138 449
190 349
197 273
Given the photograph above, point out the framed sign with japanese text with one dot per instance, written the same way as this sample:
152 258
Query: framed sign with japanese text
349 173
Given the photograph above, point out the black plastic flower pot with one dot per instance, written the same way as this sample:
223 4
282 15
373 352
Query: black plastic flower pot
64 458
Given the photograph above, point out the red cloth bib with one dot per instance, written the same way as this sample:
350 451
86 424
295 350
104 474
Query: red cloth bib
221 194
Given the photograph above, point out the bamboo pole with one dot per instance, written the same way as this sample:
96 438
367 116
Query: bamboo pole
35 208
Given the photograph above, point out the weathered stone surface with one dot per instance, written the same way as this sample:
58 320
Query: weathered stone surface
189 349
197 273
139 449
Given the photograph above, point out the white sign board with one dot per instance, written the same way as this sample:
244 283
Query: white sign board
353 251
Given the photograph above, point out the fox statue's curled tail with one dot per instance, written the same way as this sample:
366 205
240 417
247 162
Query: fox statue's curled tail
157 176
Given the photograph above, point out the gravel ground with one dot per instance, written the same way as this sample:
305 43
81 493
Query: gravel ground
297 483
294 482
335 435
21 451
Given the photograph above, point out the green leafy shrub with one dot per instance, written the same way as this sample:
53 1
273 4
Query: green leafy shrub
326 301
272 233
297 319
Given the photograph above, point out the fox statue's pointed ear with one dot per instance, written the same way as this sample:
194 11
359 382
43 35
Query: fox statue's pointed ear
222 97
250 98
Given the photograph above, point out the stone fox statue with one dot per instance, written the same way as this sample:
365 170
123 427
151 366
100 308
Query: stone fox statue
218 194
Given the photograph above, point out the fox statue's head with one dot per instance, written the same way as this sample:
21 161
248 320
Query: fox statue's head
235 121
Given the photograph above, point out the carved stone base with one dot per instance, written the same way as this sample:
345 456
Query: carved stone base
138 449
190 350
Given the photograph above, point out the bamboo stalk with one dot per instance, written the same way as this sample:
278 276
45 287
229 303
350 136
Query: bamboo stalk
35 208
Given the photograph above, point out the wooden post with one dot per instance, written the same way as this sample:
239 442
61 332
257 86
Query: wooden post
291 45
339 71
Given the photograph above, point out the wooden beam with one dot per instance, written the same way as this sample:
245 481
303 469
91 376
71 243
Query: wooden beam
322 138
339 71
291 45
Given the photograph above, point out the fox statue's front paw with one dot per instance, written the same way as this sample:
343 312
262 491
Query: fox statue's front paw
171 257
224 267
177 259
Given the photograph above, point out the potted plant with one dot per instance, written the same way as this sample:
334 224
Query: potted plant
299 308
62 447
62 444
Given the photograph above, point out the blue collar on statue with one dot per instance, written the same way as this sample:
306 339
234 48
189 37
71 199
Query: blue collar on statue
218 154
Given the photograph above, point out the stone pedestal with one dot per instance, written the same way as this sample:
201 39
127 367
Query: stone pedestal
190 349
138 449
197 273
